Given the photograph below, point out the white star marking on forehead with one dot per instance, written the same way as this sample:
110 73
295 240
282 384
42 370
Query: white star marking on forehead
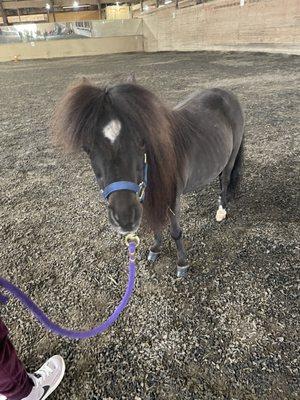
112 130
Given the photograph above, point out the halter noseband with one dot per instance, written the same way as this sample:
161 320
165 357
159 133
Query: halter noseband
126 185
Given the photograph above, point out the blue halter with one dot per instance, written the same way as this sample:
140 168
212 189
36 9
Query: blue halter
131 186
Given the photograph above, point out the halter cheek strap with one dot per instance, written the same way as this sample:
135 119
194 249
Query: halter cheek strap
130 186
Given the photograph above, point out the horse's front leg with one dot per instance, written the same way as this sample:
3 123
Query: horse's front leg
176 233
155 249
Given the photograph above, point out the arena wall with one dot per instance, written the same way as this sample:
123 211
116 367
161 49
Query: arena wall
224 24
124 27
71 48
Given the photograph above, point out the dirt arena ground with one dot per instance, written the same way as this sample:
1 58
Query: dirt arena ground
229 331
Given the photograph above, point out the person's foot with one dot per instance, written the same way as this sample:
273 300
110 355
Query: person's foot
47 378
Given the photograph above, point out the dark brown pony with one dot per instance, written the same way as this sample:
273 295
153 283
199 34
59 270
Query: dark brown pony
186 148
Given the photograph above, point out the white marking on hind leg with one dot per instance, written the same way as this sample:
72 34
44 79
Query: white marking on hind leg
221 214
112 130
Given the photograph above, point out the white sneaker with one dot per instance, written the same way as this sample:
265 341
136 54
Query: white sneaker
47 378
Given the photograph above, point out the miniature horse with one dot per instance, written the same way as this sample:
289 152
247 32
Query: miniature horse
145 155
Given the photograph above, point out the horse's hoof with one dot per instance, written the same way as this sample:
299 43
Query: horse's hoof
182 271
153 256
221 214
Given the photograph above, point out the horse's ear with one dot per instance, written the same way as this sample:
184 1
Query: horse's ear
131 78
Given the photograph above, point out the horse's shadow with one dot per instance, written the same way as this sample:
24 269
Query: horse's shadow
267 194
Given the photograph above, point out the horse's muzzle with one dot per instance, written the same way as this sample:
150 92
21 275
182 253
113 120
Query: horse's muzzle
124 211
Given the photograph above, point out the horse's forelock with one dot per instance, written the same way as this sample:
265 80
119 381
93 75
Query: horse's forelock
77 116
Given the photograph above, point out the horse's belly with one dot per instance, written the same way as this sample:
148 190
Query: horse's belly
207 162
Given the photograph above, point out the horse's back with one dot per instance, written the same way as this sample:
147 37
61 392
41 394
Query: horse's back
225 101
215 101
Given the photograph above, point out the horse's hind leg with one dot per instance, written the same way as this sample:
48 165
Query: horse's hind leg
222 202
229 181
176 234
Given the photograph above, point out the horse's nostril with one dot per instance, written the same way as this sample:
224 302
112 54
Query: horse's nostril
116 218
133 216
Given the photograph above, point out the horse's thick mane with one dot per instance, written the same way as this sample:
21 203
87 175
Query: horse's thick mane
86 107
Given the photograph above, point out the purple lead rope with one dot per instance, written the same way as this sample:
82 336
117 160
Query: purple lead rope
51 326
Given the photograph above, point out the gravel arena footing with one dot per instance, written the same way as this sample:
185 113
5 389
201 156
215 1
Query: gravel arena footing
228 331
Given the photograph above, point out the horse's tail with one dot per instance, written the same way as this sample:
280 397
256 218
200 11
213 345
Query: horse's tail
237 172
